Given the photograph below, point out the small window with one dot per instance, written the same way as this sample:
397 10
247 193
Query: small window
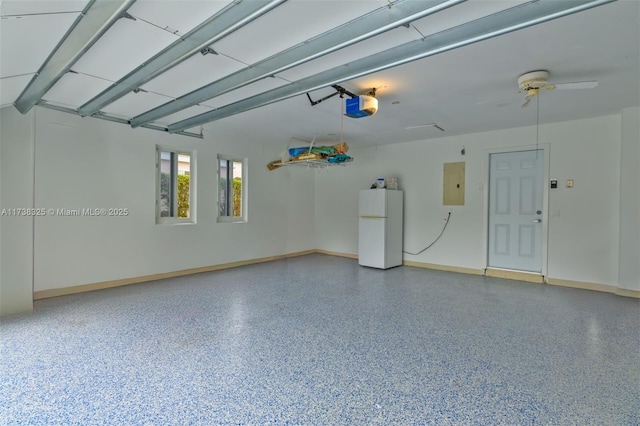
232 193
175 180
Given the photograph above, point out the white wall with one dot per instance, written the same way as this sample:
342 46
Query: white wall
630 201
83 163
16 191
583 240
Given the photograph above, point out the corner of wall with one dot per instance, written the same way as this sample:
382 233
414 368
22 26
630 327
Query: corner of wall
17 143
628 266
1 207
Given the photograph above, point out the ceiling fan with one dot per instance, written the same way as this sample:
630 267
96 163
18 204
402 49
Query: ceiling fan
532 82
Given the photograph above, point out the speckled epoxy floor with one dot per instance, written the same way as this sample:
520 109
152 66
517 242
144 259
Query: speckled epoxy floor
319 340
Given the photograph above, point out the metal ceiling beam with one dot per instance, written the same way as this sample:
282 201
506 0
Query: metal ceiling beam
96 18
373 23
107 117
220 25
513 19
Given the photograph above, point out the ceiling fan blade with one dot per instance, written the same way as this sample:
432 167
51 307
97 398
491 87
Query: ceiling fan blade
526 100
577 85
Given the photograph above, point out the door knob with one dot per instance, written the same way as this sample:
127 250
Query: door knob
537 220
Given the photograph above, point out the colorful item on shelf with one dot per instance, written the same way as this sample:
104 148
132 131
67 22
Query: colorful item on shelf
328 151
309 156
274 164
340 158
333 154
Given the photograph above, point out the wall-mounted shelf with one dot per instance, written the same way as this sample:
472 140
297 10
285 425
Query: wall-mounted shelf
315 163
311 157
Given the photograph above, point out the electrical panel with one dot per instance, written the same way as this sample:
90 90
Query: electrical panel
453 191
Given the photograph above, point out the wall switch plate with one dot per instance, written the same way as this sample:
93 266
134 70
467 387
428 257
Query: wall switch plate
554 183
569 183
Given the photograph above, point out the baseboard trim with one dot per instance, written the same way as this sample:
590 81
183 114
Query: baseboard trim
626 292
530 277
499 273
448 268
594 287
45 294
337 253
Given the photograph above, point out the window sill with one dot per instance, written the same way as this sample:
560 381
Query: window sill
174 221
231 220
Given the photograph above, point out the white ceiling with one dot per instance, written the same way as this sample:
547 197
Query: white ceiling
465 90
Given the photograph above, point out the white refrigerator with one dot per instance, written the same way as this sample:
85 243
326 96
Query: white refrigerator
380 228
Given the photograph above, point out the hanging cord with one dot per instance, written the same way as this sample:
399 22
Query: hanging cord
341 117
435 241
537 121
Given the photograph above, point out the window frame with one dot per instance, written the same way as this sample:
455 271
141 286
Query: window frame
176 152
243 218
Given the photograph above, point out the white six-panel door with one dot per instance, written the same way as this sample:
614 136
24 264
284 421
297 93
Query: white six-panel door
516 186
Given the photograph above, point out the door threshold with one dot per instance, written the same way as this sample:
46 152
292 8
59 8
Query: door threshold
511 274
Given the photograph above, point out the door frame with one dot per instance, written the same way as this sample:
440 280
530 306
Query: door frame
546 149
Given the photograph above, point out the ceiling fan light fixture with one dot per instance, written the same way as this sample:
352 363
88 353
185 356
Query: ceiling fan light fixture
533 80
